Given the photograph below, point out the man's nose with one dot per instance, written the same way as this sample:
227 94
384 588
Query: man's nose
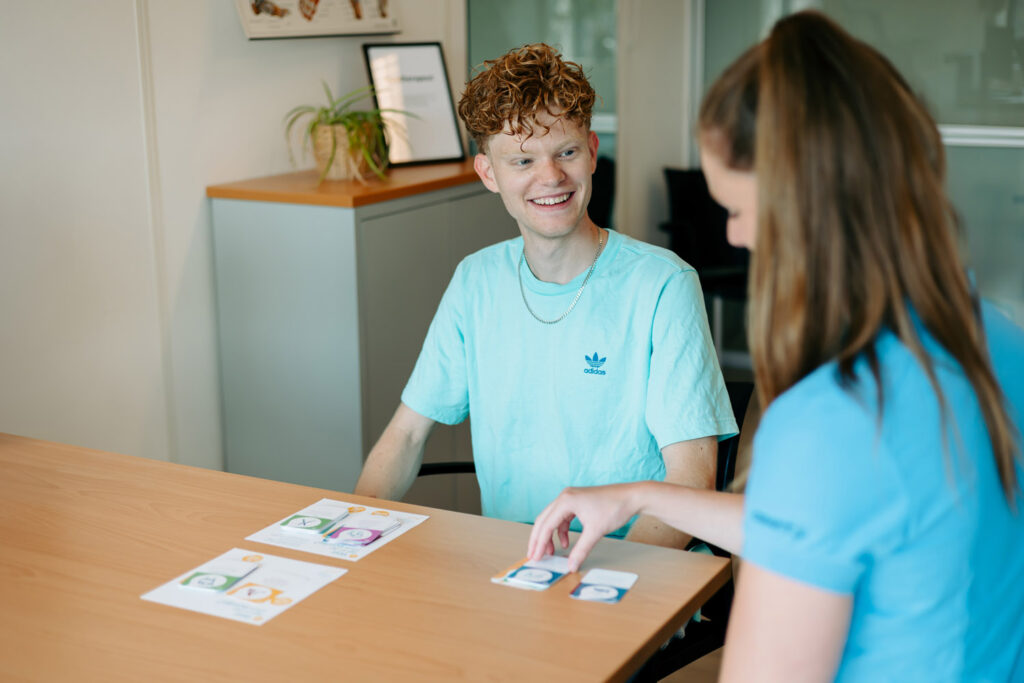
551 173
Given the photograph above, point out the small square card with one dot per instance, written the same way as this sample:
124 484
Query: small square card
315 519
604 585
219 574
362 529
537 576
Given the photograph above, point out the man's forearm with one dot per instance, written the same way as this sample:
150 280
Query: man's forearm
386 473
652 530
687 463
394 461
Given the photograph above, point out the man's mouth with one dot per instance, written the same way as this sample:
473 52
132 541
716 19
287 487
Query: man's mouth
553 200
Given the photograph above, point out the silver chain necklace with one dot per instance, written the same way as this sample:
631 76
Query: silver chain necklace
579 292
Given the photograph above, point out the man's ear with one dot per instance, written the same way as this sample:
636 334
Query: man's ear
592 144
483 168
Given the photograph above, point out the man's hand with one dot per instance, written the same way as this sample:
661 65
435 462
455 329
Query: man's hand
392 465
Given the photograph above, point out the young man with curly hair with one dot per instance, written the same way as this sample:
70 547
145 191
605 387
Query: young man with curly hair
583 355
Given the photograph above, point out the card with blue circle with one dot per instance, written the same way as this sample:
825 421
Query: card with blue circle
537 575
604 585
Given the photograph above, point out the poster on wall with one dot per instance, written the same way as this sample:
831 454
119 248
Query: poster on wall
303 18
410 84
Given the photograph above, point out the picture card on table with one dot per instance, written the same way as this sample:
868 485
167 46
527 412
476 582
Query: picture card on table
315 519
362 529
356 534
604 585
536 576
245 586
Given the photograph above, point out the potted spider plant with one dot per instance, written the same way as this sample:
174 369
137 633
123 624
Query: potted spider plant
346 142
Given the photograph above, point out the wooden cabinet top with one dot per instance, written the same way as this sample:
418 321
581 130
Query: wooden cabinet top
301 187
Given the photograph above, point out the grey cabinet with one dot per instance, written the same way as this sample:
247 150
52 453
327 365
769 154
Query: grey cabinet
322 311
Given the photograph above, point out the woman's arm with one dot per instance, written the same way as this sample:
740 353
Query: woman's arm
784 630
688 463
709 515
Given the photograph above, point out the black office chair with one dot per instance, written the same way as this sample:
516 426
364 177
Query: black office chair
454 467
696 228
705 636
602 197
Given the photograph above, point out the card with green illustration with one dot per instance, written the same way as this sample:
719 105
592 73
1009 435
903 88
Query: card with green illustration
219 575
315 519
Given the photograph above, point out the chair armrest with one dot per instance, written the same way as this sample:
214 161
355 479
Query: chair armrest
462 467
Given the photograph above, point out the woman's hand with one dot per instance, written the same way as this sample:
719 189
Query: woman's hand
600 509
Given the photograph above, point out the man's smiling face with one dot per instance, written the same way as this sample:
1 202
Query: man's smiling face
544 180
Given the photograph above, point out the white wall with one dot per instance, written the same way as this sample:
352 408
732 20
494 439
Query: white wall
656 46
116 115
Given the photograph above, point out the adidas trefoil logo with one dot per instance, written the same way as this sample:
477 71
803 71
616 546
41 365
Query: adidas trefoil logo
595 362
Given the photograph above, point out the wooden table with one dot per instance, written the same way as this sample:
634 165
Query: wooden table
85 533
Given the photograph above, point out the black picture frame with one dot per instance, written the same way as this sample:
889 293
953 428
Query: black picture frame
412 78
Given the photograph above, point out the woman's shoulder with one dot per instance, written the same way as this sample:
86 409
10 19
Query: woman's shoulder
1006 350
1005 338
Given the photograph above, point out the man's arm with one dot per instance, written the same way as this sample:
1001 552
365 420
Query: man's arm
392 465
690 463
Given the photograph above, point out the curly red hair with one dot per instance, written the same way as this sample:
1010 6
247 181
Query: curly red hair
512 90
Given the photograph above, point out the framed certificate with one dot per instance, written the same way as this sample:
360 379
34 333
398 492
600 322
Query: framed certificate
410 79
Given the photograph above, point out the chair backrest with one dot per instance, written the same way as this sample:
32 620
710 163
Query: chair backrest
696 224
602 196
739 398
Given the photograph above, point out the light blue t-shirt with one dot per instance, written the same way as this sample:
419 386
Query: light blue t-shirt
922 538
589 400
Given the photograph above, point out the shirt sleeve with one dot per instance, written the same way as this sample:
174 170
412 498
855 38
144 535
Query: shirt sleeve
686 396
438 387
823 496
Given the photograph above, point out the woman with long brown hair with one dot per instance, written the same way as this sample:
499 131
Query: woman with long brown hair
881 529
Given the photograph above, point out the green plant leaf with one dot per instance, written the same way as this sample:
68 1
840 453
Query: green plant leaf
364 128
327 90
342 104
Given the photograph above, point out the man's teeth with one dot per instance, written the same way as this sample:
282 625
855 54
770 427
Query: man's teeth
551 201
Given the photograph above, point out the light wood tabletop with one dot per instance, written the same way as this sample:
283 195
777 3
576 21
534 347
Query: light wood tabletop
84 533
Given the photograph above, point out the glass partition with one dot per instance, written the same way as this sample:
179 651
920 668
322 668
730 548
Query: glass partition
582 30
966 59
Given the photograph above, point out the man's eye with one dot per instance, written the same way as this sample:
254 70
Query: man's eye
521 162
568 153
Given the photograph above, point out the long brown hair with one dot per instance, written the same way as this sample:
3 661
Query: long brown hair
855 230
